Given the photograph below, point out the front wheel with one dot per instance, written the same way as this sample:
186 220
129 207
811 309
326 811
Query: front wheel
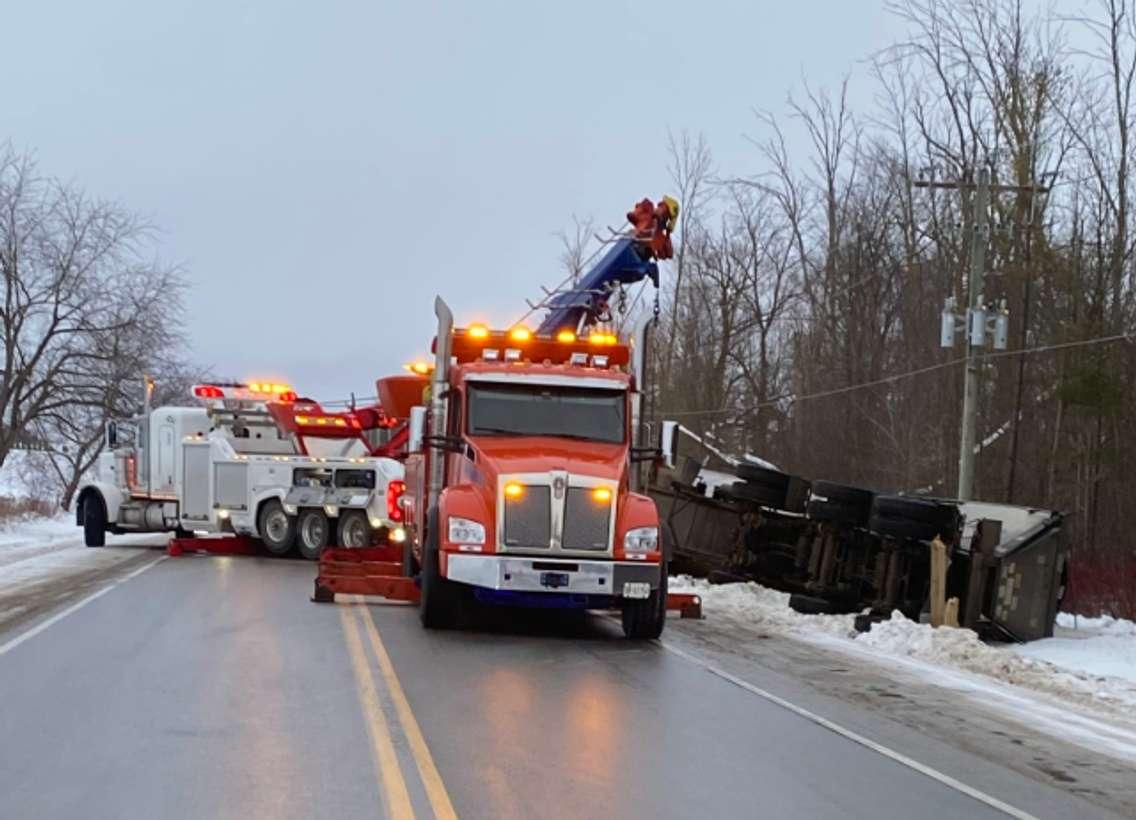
644 619
313 532
94 522
440 600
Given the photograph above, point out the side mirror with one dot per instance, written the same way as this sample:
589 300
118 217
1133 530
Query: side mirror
417 426
668 443
111 435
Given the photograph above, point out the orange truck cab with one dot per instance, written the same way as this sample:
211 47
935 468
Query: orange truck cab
520 478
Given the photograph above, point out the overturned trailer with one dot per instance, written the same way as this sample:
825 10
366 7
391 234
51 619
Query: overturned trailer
846 549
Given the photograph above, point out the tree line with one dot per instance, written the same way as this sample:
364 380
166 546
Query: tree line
801 314
88 311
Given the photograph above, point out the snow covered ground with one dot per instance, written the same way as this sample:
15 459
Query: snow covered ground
40 558
1080 684
1100 646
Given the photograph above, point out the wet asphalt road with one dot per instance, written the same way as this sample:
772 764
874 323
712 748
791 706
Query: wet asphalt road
211 687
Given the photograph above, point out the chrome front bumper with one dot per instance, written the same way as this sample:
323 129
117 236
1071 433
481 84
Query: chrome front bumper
532 574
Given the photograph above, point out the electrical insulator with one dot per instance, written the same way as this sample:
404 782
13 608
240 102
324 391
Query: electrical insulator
1001 330
976 319
947 331
948 322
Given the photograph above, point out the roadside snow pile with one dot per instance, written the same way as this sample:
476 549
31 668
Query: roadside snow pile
1100 646
1095 670
961 649
755 604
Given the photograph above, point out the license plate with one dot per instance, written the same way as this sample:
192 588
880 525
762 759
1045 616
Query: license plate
636 589
554 580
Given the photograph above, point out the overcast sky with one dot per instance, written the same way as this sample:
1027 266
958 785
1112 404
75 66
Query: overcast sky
323 169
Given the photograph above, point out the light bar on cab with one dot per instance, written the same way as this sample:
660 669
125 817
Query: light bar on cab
519 344
252 391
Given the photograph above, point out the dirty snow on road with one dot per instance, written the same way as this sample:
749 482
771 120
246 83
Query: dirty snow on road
1090 668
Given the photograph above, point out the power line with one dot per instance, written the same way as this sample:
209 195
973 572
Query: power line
364 400
903 376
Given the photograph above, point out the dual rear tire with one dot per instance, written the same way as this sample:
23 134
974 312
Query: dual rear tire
310 531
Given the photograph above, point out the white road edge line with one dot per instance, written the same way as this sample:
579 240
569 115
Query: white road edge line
59 616
825 723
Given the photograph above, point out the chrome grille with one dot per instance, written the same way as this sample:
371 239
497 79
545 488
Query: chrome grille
528 519
586 521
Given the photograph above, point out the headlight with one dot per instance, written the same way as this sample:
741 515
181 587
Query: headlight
641 539
464 531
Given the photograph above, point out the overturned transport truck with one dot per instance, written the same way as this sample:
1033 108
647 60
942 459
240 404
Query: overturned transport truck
838 548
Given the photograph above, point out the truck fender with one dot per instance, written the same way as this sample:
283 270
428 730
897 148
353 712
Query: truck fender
466 501
107 494
638 510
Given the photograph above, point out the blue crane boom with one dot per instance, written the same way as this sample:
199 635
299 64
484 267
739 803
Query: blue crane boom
629 259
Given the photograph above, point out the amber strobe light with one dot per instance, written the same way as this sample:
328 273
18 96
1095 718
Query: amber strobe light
514 490
601 495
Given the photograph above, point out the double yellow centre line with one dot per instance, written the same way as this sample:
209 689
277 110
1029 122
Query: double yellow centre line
395 793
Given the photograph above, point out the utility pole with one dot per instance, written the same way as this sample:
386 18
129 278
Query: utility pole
970 387
977 323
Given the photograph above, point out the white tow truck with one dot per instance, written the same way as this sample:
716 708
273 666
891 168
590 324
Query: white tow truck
252 460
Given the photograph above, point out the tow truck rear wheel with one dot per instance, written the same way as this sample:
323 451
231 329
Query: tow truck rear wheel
354 529
440 601
94 522
277 528
643 620
313 532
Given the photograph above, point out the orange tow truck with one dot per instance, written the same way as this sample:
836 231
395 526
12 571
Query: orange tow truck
522 464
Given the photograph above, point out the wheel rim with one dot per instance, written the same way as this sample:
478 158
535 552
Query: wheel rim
276 525
314 531
355 532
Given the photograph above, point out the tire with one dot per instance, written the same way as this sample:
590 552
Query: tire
277 529
797 495
763 476
811 605
644 620
904 528
313 533
839 503
183 533
742 492
354 529
94 521
902 514
440 602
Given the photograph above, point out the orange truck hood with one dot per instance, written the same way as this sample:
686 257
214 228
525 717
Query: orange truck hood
539 454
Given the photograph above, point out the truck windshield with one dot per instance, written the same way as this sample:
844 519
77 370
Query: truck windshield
529 410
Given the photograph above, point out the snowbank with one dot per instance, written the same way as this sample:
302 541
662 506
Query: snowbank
1093 665
1099 646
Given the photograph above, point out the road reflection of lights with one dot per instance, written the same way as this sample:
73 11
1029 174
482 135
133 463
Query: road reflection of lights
595 730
